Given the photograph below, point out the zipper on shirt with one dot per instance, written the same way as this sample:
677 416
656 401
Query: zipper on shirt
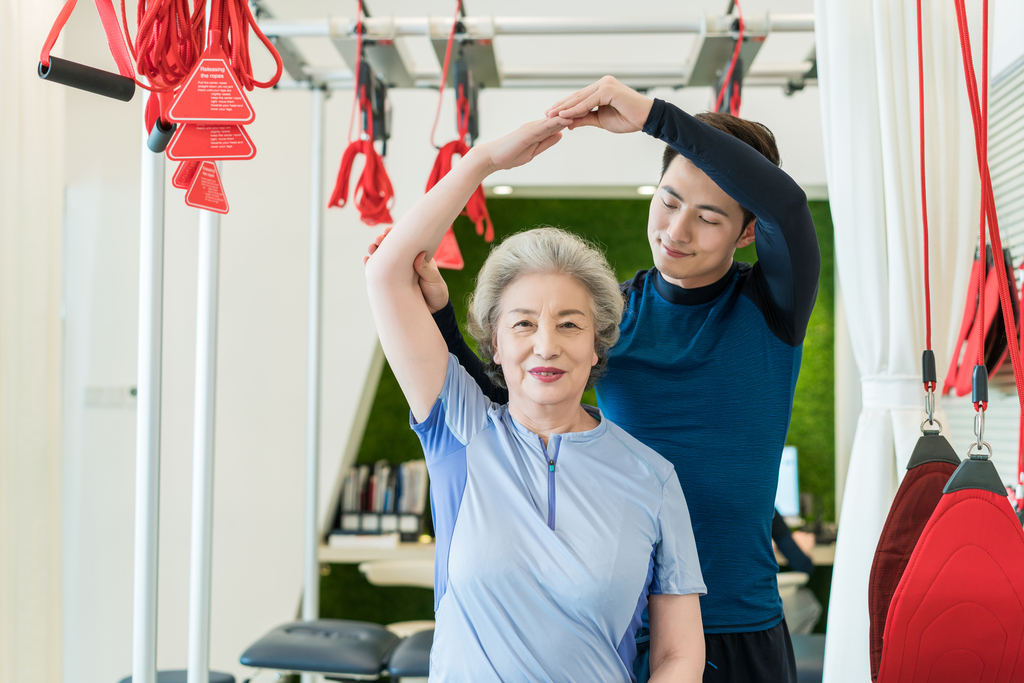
552 461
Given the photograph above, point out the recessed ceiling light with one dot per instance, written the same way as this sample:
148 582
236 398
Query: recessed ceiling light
501 189
646 190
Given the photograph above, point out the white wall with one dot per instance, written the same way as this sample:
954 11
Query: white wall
262 341
1007 20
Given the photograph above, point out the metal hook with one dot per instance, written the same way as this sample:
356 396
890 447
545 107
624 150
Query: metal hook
979 429
929 409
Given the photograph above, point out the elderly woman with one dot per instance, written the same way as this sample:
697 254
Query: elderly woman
555 528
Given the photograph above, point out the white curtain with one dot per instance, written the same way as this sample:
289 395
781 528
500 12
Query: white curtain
867 66
31 212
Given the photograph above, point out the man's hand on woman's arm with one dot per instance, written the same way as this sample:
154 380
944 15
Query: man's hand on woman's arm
677 639
432 284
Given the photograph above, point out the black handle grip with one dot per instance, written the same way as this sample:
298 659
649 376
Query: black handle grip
86 78
979 384
160 136
928 373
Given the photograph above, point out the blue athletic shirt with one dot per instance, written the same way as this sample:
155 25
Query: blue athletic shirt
706 376
545 554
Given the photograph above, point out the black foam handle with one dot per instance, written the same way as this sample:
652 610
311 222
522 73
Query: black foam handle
979 384
928 373
160 136
86 78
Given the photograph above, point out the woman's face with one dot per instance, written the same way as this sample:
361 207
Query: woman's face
544 340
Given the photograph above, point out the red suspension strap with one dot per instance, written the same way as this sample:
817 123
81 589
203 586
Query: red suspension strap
727 84
476 207
978 115
928 373
125 65
119 86
444 71
374 194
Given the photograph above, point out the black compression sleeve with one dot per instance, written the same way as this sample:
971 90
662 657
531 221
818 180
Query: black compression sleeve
449 327
785 277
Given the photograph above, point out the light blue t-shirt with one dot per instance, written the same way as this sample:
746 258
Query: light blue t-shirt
545 554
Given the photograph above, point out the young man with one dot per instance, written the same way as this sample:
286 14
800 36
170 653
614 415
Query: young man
707 361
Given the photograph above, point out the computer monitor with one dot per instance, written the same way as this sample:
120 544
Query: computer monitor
787 495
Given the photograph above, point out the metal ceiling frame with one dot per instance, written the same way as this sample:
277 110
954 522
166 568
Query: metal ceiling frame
475 36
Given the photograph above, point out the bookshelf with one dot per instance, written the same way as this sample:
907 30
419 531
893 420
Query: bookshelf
404 551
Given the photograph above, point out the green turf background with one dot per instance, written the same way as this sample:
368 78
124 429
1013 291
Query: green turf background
619 227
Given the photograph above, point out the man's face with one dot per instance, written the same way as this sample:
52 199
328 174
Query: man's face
694 227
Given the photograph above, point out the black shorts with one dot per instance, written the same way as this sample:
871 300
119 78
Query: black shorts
753 657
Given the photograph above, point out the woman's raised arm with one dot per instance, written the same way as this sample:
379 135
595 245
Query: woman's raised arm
410 338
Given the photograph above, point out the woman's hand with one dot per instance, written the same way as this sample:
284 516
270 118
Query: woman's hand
523 144
619 108
432 284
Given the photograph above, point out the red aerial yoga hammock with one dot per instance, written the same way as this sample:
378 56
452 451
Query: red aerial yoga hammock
994 338
957 613
448 254
374 194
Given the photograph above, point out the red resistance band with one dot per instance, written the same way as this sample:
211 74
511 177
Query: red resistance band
374 194
476 207
111 26
978 114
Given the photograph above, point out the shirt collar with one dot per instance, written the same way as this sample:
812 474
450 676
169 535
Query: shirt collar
674 294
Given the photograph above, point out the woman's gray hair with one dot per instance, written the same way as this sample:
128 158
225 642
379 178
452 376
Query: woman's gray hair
550 251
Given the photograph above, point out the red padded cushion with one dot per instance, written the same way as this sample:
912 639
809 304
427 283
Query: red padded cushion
915 501
958 612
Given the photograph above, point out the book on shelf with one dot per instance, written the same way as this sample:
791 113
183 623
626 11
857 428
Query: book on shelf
383 499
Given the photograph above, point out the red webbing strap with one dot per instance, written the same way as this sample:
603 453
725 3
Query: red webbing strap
111 26
476 207
988 202
373 189
732 65
374 193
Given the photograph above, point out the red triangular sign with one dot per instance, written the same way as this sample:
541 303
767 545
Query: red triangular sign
186 172
204 141
212 93
206 191
448 254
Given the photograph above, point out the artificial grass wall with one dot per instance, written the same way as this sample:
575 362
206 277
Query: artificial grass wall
619 226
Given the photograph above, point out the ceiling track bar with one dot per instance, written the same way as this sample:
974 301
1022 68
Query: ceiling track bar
384 28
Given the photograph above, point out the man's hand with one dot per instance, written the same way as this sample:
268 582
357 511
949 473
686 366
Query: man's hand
432 285
619 108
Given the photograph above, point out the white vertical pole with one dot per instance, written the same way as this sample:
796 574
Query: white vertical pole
147 418
201 556
311 595
202 450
